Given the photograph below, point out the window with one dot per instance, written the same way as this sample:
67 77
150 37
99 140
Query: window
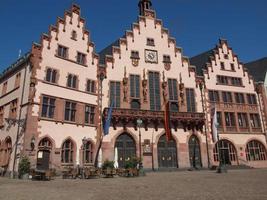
166 59
239 98
67 152
232 67
4 89
242 120
17 81
255 151
48 107
74 35
229 151
135 86
229 119
70 110
81 58
226 56
219 119
236 81
135 91
154 91
190 99
255 120
13 109
134 55
62 51
72 81
150 42
88 152
227 97
251 99
222 66
45 143
222 80
90 86
1 116
173 95
115 93
89 114
214 96
51 75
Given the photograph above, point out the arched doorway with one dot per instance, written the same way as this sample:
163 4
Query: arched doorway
194 152
227 152
43 155
126 149
167 153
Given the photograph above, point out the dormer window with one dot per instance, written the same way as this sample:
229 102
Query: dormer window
232 67
166 59
135 55
150 42
74 35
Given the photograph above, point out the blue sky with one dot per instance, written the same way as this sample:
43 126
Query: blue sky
196 24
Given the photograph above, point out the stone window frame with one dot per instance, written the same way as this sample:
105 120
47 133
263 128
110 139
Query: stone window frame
116 104
13 109
214 92
253 148
17 80
150 41
232 120
71 84
74 35
84 58
88 152
86 86
193 107
171 90
49 107
254 120
251 99
237 98
66 56
244 120
135 99
166 59
71 154
53 70
155 108
71 110
135 54
2 113
91 120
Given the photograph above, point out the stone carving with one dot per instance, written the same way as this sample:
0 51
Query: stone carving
144 84
125 86
181 89
32 92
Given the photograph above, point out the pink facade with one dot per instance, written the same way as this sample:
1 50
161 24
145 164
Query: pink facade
57 91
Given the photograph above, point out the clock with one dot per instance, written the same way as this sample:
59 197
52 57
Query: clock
151 56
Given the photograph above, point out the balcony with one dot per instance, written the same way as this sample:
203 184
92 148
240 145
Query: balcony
128 117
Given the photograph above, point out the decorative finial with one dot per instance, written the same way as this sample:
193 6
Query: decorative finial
163 76
181 79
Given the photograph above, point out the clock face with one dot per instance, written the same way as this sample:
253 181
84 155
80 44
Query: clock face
151 56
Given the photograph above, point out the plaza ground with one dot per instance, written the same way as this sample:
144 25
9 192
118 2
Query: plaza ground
200 185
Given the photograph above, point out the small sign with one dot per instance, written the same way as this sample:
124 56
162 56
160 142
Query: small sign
40 154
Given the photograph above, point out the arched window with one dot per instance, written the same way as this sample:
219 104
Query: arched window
88 152
67 152
227 152
6 152
45 143
255 151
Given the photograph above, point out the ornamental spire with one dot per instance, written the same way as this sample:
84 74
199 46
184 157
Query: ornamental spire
144 5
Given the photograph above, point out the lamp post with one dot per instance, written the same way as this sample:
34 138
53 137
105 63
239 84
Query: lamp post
141 170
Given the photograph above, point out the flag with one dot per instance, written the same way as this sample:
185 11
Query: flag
107 122
214 126
167 123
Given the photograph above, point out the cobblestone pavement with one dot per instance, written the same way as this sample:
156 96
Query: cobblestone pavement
200 185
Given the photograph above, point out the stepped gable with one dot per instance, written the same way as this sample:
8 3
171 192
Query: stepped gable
258 69
107 54
209 59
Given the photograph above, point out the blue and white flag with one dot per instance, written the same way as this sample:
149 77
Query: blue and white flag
108 120
215 126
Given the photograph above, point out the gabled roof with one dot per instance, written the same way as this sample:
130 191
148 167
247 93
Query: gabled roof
199 61
107 51
258 69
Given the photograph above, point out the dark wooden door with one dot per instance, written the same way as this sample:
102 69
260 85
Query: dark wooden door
225 156
167 153
194 152
43 159
126 149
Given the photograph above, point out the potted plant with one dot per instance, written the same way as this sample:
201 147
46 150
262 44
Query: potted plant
132 166
108 168
24 167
